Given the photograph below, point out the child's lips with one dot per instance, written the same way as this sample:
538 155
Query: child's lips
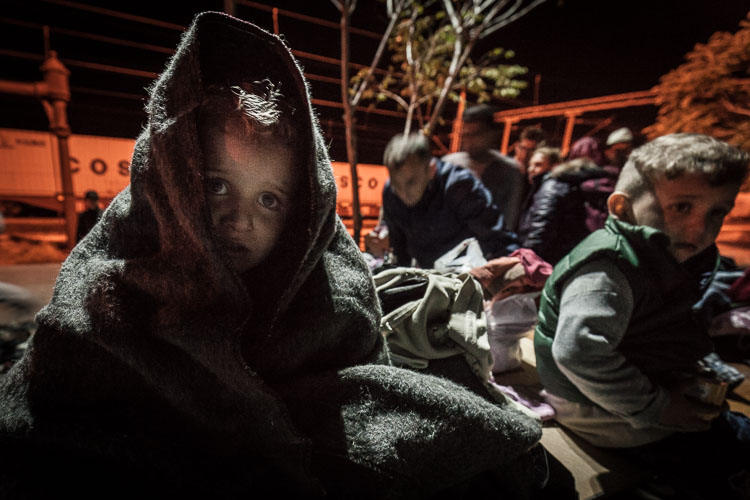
235 247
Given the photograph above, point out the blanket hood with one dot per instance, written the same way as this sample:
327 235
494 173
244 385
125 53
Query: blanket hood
155 239
159 331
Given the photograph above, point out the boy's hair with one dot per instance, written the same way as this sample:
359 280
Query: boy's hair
481 113
673 155
552 154
401 147
259 106
533 133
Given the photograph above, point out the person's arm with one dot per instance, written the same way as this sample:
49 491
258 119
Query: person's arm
595 308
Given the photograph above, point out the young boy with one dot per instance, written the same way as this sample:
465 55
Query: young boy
431 206
616 344
216 333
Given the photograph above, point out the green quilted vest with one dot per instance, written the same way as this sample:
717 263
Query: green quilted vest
662 337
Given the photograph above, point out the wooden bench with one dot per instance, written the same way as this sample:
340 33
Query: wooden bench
596 472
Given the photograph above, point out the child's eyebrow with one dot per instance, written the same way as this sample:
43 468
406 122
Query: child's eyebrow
282 187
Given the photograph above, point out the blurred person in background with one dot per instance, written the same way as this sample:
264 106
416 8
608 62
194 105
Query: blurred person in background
531 138
618 147
89 217
431 206
570 203
542 161
499 173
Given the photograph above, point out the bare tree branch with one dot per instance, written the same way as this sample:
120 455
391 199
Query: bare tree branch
394 15
455 20
392 95
513 18
410 40
436 50
494 14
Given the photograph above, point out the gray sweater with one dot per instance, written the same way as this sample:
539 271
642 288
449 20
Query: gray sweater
594 302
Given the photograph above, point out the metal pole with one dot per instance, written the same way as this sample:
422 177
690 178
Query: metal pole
506 136
55 103
458 124
568 137
54 92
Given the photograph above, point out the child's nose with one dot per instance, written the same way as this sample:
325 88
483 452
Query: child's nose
240 219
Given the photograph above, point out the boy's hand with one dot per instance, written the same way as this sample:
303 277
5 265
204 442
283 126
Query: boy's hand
686 414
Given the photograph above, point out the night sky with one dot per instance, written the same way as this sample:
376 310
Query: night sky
581 48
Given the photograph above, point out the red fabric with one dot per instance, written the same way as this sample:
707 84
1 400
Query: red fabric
537 269
520 272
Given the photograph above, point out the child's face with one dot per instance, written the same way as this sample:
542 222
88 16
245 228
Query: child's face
688 209
250 189
410 181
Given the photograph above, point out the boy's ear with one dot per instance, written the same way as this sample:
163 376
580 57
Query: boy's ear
619 205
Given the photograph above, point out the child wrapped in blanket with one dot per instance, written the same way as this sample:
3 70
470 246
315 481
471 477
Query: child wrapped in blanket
217 331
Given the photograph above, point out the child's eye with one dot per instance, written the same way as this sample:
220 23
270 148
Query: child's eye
269 200
682 207
216 186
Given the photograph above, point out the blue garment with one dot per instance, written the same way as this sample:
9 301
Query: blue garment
455 206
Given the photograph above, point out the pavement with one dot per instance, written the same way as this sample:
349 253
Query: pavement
36 279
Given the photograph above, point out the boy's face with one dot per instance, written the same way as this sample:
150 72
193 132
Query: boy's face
688 209
250 189
410 181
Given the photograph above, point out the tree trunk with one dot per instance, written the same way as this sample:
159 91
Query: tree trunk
351 138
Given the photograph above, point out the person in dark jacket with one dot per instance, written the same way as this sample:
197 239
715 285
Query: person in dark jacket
216 334
542 161
431 206
89 217
570 203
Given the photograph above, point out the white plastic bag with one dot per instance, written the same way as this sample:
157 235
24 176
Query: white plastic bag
462 258
508 320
